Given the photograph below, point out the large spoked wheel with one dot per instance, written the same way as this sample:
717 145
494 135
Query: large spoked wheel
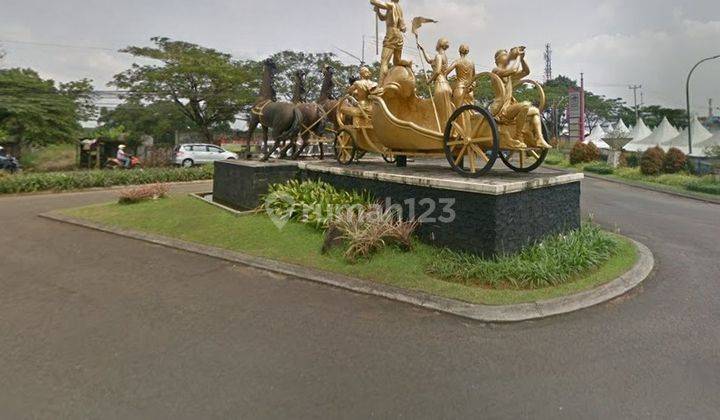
345 147
525 161
472 141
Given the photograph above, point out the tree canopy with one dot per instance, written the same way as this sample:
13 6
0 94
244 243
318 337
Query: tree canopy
159 120
35 111
207 86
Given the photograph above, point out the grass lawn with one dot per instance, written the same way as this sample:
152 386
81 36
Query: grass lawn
191 220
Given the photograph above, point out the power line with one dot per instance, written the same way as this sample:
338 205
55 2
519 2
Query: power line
47 44
635 88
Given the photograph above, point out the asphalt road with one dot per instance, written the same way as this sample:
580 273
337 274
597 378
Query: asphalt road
97 326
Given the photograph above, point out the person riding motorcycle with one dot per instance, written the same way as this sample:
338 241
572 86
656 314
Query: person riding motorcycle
124 158
8 163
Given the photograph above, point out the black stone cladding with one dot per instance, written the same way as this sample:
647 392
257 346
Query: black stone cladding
242 186
484 224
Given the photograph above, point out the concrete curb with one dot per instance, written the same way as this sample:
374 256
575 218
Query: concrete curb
484 313
200 196
642 186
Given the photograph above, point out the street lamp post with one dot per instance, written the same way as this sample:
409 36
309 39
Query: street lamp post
687 92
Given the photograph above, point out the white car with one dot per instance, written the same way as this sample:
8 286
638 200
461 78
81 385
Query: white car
188 155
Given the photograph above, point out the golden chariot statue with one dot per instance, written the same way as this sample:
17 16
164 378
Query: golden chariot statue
390 118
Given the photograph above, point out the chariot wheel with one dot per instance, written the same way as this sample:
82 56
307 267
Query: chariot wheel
527 160
471 141
389 159
345 147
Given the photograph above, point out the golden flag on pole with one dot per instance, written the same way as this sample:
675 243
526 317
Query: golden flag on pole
418 22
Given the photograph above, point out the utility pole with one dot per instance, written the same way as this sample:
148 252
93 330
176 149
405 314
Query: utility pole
582 106
687 94
363 51
635 88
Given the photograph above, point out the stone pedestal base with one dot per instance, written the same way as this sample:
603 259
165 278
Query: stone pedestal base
614 158
496 214
241 184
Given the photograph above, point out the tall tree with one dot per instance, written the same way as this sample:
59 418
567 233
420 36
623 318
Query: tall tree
207 86
34 110
159 120
288 62
654 114
83 94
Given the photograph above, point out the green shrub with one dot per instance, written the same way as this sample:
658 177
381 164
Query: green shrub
674 161
584 153
549 263
64 181
707 187
651 162
593 153
310 202
632 159
600 168
578 154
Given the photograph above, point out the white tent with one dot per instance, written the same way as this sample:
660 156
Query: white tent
638 133
664 132
596 137
620 127
712 141
620 130
699 135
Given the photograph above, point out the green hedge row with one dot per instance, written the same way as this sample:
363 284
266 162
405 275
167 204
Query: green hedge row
600 168
75 180
705 187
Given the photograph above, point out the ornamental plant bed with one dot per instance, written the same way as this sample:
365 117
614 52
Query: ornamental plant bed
75 180
682 182
584 264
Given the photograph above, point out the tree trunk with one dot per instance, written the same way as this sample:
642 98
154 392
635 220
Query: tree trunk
207 132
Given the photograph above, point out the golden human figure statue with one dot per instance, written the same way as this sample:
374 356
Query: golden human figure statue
363 88
464 70
512 67
442 93
395 28
361 91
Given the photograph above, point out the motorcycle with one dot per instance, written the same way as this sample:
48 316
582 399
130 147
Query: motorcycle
9 164
113 163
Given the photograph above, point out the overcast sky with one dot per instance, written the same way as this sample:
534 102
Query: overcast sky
614 42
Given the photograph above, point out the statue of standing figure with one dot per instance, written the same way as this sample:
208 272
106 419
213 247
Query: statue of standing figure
512 68
394 41
442 93
464 70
